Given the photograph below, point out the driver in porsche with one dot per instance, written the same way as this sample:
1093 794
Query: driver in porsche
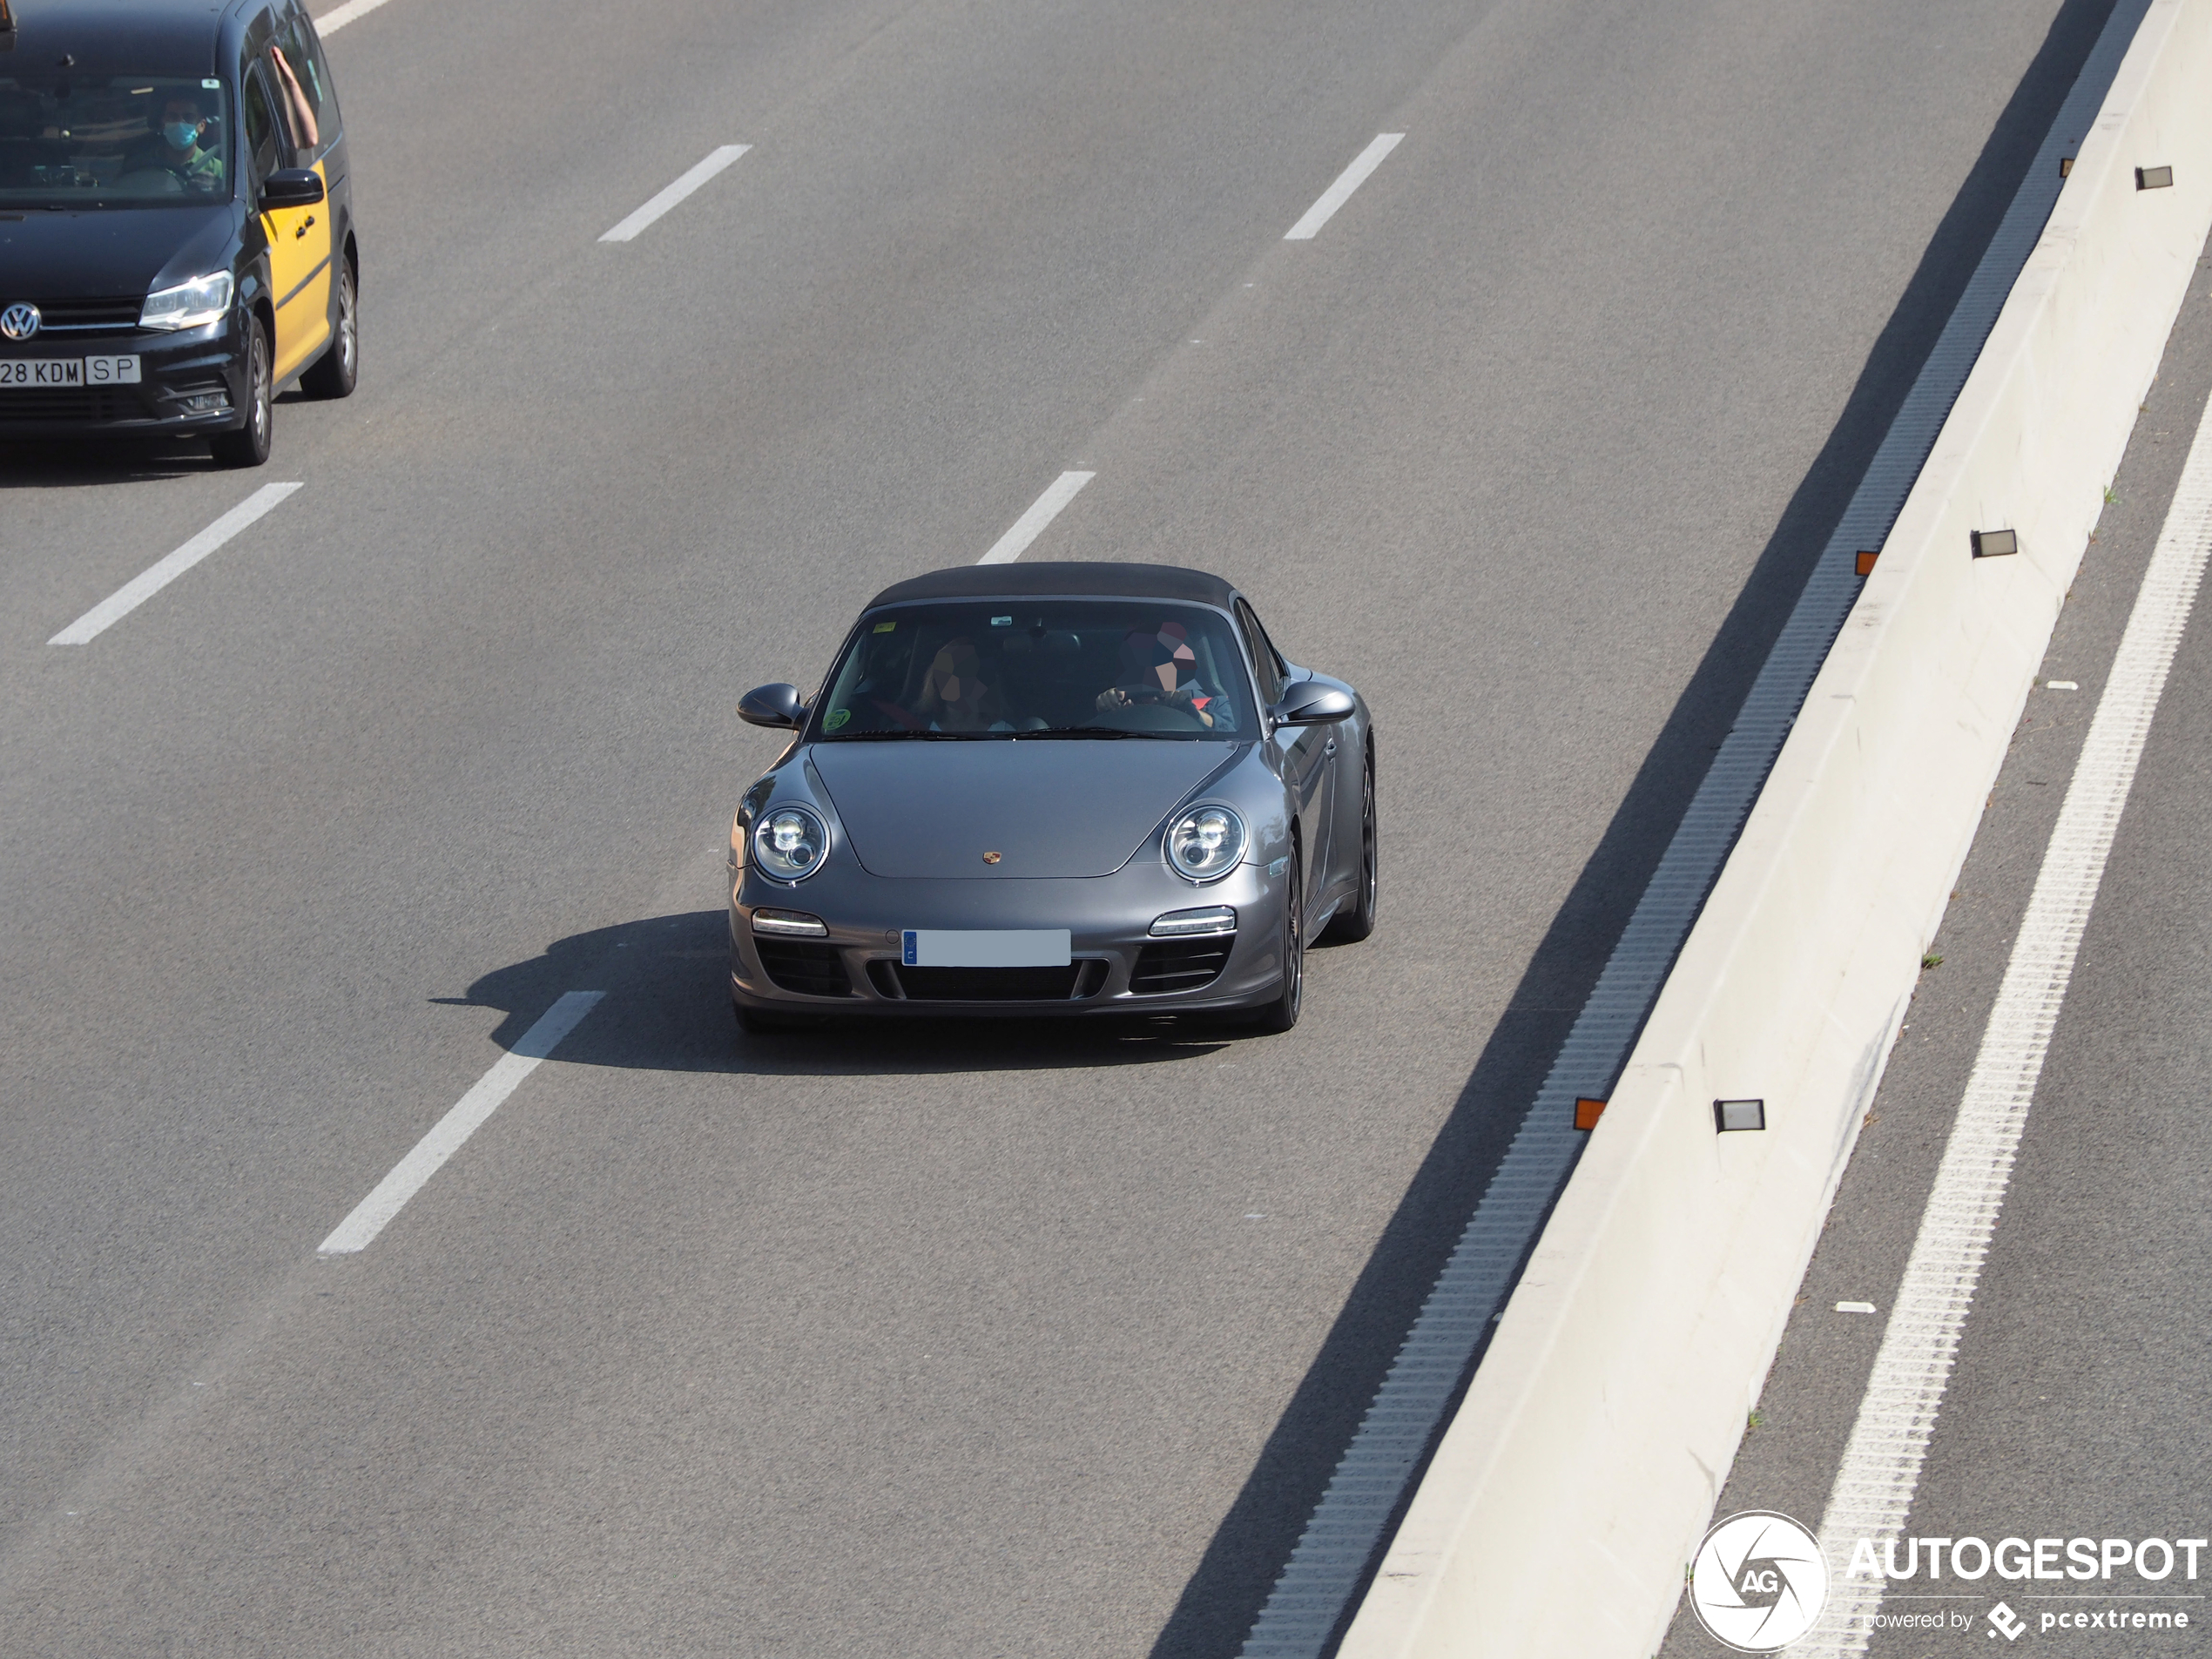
1161 667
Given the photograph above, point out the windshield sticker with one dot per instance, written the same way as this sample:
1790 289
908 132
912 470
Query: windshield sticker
1002 621
837 719
884 627
211 86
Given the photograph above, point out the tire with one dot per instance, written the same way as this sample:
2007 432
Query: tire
249 445
1356 921
1282 1013
339 367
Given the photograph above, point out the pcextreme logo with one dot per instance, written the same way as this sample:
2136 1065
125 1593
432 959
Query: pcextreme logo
1759 1583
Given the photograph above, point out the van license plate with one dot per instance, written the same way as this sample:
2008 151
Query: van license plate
69 371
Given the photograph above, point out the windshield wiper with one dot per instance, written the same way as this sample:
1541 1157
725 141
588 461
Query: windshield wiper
1103 732
926 736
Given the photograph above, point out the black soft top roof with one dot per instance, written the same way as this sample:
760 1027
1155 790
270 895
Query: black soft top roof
1099 578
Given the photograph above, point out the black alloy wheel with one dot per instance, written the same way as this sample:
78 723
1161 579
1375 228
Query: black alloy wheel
1356 921
339 367
1282 1013
249 445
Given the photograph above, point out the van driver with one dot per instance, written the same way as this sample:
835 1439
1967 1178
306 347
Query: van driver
173 147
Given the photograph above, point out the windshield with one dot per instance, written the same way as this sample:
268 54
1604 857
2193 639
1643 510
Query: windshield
111 141
1012 668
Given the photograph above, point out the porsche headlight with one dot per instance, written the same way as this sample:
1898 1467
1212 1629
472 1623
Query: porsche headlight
1206 842
189 305
789 843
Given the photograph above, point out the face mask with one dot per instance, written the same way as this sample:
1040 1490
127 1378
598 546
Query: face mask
180 134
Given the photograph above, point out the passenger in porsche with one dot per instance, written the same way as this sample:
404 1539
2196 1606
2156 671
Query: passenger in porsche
953 697
1161 667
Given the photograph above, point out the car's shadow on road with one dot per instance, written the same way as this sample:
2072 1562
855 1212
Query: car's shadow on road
78 463
59 465
667 1008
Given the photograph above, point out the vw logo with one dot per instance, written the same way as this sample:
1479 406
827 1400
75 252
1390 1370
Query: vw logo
19 322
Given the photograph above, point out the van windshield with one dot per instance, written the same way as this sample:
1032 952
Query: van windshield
83 141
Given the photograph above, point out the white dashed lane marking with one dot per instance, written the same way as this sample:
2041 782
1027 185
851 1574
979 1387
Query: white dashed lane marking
466 1117
715 163
1347 181
338 16
1030 525
143 587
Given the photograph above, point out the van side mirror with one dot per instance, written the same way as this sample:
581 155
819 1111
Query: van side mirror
290 188
775 705
1308 704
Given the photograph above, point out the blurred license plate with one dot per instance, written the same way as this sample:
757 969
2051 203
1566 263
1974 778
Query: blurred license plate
69 371
983 948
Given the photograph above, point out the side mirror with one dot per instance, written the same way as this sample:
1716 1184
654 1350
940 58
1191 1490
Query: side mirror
290 188
776 705
1311 704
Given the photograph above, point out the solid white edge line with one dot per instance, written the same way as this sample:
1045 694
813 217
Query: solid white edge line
1347 181
463 1120
717 158
1030 525
151 581
1880 1471
338 17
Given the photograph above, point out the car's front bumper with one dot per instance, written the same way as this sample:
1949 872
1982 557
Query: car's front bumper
1106 917
192 380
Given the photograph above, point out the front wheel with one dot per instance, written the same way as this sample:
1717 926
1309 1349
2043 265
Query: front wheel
339 367
1282 1013
249 445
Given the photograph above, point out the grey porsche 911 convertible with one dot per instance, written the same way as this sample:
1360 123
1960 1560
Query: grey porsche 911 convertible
1051 789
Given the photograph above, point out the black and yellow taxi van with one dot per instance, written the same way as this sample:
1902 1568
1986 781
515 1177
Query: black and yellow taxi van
176 226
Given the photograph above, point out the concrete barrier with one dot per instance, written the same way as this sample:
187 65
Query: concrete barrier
1569 1494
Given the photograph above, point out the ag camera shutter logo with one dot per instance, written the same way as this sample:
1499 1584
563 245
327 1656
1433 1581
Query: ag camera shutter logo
1759 1583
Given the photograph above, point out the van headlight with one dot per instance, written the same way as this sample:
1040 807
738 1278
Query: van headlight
1206 842
789 843
189 305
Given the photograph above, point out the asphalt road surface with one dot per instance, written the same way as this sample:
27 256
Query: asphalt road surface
2078 1407
953 1342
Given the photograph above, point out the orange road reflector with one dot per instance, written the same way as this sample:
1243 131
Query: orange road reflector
1586 1111
1866 558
